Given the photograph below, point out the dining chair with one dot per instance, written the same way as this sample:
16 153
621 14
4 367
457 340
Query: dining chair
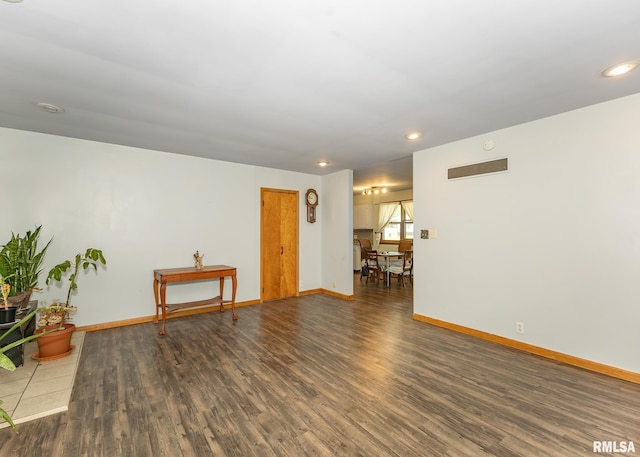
406 270
365 245
364 268
405 245
372 264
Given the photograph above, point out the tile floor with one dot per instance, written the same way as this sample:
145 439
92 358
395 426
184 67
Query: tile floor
38 389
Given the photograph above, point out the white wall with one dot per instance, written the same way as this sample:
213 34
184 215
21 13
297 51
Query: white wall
553 243
147 210
337 231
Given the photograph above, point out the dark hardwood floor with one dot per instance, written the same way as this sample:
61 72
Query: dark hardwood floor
316 375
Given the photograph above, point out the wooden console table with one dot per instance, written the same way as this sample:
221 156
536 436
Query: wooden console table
168 275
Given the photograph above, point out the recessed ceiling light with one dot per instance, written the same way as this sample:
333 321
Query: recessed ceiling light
49 108
413 135
620 69
322 163
13 1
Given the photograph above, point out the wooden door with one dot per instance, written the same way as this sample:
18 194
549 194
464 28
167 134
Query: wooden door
278 243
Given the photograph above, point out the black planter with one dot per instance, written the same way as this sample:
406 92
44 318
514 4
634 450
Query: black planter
7 315
27 327
16 354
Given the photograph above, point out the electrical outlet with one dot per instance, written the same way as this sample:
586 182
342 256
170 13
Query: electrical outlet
334 284
520 327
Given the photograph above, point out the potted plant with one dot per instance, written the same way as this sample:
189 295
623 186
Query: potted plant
6 362
55 316
22 261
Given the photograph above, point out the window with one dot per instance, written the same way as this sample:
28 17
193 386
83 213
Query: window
399 227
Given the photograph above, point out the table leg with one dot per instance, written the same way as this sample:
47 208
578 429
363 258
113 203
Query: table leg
155 294
222 294
163 302
234 280
387 276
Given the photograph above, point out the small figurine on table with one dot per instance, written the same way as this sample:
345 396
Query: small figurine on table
198 259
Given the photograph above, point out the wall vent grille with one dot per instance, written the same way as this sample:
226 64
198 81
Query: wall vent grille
482 168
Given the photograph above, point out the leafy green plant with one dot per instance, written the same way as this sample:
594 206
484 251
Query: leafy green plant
21 260
91 259
5 361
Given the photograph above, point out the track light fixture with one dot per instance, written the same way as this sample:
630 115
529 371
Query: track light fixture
374 190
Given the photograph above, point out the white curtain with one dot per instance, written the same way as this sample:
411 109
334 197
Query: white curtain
385 213
408 208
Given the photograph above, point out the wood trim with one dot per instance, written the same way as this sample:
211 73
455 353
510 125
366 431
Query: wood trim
145 319
327 292
336 294
531 349
310 292
190 312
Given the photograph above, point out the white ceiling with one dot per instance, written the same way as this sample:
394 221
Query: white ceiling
286 83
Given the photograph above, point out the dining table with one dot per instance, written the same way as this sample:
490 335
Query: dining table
387 256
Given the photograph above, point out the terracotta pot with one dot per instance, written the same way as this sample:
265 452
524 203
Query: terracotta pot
54 344
7 315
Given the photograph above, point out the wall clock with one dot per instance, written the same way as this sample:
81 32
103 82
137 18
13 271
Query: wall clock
311 198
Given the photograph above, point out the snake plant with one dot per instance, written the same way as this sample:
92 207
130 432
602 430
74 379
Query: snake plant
21 261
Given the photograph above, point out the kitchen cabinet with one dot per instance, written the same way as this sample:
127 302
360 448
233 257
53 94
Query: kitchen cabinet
363 216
